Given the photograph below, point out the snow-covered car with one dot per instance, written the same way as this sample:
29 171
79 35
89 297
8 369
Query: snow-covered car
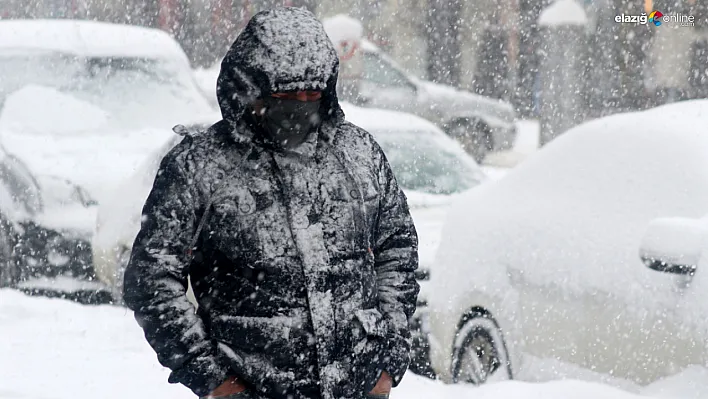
543 263
46 225
141 77
88 101
481 124
429 165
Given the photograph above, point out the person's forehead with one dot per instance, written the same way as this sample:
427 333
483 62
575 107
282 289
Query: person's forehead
299 92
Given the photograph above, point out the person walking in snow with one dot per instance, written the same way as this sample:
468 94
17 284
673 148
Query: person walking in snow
289 224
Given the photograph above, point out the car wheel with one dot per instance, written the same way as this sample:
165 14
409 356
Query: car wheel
479 353
420 349
9 272
474 137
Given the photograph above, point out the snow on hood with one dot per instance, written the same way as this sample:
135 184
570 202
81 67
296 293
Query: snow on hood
119 216
60 113
573 214
97 162
66 207
342 27
74 221
280 50
383 119
563 12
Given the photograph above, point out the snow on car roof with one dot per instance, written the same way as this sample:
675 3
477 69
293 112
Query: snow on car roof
88 38
573 214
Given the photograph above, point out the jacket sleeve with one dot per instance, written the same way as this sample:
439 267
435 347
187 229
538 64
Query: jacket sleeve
155 282
396 260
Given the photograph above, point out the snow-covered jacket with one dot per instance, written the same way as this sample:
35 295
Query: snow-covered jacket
303 260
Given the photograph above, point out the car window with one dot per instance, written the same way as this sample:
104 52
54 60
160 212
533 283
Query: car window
379 71
137 92
19 182
421 162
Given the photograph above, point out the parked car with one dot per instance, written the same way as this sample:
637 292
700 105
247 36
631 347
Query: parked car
45 231
88 100
544 261
430 166
140 76
481 124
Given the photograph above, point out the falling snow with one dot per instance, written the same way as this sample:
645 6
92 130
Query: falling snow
552 160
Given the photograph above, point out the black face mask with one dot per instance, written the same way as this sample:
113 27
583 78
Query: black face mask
289 122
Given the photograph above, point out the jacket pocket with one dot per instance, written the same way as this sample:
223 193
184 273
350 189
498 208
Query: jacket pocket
373 322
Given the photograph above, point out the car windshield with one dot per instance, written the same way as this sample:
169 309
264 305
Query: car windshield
381 73
423 162
137 92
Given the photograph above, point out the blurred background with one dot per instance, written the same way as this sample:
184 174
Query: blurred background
491 47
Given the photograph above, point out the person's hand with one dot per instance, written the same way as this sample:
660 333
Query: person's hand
230 387
383 385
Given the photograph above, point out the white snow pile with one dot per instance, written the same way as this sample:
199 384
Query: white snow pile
40 109
691 383
675 240
342 28
563 12
62 350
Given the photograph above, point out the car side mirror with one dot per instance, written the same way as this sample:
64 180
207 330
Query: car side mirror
674 245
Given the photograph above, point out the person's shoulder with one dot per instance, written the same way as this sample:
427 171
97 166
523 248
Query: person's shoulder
200 141
189 145
356 138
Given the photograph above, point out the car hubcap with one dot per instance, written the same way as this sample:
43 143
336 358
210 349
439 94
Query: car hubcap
480 354
479 359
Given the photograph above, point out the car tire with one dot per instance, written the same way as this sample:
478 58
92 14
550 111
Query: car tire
420 363
479 353
474 136
9 272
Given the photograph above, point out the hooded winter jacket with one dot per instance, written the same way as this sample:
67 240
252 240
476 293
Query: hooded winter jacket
303 267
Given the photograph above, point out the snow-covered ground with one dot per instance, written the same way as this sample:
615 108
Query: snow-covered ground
55 349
